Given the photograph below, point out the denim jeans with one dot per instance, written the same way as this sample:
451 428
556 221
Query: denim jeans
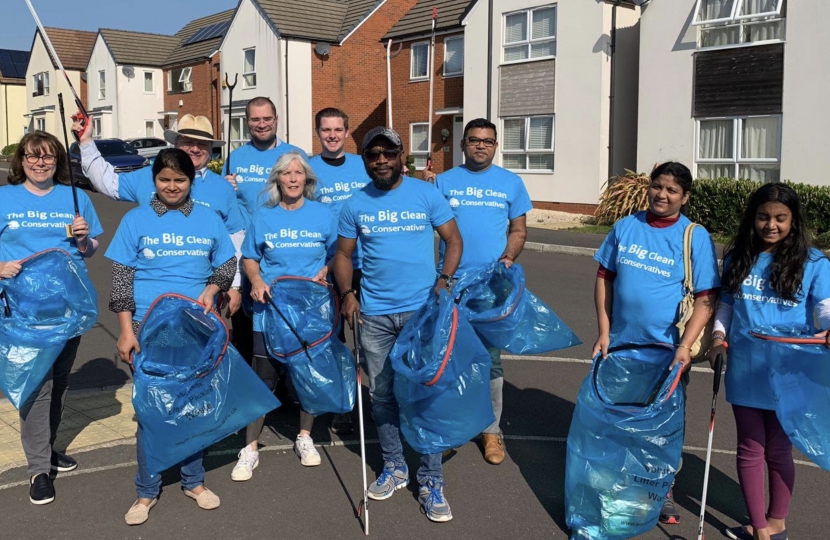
41 413
149 487
377 336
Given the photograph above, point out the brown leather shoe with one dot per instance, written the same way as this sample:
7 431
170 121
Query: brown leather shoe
493 448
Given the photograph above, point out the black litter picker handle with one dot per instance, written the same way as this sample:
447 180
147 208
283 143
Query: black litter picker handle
718 372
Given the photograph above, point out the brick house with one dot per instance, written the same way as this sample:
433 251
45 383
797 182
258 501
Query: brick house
125 81
191 71
410 81
44 81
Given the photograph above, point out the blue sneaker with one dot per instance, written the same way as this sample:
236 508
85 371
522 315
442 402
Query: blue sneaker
390 479
431 497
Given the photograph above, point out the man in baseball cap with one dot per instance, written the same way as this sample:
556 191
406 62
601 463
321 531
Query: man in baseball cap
393 218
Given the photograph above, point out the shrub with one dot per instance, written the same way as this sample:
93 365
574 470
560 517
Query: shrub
623 196
217 166
8 150
410 165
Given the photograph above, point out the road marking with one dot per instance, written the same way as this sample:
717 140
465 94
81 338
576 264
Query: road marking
574 361
286 447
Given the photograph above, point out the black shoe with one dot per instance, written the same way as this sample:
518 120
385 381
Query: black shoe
669 514
62 462
41 490
342 423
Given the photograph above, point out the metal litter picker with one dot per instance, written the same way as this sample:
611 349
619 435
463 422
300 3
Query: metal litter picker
363 506
715 388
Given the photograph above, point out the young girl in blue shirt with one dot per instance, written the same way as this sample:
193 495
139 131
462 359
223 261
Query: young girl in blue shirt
771 277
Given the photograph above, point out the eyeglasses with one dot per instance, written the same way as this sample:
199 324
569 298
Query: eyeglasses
263 120
374 155
475 141
34 158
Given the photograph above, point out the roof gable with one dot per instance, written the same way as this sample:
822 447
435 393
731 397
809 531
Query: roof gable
418 20
138 48
73 47
319 20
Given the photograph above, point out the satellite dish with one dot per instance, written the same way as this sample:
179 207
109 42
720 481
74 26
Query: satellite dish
128 71
322 49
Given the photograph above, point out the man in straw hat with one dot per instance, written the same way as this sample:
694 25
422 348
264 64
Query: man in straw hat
194 136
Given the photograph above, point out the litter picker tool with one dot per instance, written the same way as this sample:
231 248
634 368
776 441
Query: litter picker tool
431 68
68 161
793 340
363 506
715 388
230 118
7 311
84 118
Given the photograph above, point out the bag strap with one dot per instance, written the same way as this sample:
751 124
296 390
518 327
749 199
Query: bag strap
687 257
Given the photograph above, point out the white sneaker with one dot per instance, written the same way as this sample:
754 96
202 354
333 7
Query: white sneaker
244 469
304 448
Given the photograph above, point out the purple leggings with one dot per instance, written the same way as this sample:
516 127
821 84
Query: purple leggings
762 439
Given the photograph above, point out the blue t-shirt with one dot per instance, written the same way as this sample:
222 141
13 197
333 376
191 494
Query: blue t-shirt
171 253
210 190
30 223
483 203
649 283
252 167
396 230
336 184
757 304
289 243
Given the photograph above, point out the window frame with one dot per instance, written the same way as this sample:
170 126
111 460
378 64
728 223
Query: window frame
735 15
152 125
40 82
102 84
40 124
737 139
152 82
412 76
246 74
529 41
527 151
418 153
741 22
460 73
97 127
185 85
243 132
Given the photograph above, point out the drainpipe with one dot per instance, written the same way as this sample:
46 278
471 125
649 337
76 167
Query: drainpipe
6 106
489 59
389 83
611 91
287 108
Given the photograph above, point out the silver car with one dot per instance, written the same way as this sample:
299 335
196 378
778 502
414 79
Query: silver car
148 146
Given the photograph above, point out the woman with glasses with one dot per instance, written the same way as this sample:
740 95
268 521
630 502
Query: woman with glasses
290 235
37 213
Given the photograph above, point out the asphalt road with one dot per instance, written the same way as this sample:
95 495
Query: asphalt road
521 498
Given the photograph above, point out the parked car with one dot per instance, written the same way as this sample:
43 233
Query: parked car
148 146
122 156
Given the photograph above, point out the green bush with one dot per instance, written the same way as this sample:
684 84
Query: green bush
719 204
8 150
217 166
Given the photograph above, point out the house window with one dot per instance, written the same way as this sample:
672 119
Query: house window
527 143
731 23
40 124
239 132
41 83
419 65
149 128
148 82
530 34
453 56
102 84
96 127
180 80
739 147
418 144
249 68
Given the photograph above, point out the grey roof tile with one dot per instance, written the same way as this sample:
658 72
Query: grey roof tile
138 48
74 47
319 20
418 20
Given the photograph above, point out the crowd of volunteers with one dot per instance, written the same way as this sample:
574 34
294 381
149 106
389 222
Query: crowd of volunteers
361 224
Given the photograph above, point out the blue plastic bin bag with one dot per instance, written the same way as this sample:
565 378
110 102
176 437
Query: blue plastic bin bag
191 387
442 379
624 444
506 315
49 302
300 328
800 381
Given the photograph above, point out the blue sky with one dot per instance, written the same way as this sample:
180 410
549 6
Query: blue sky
156 16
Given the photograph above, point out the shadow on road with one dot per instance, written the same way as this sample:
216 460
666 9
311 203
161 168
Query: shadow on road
724 494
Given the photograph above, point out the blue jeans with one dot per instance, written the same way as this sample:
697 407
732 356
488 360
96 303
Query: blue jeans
149 487
377 336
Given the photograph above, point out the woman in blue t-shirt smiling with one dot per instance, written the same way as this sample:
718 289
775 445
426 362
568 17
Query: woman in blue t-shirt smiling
290 235
36 209
639 283
168 246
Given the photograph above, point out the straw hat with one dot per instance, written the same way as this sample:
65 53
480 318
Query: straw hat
193 127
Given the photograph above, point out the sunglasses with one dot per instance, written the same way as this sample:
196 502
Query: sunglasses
374 155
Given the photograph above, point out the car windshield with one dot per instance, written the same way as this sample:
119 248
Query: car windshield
114 148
